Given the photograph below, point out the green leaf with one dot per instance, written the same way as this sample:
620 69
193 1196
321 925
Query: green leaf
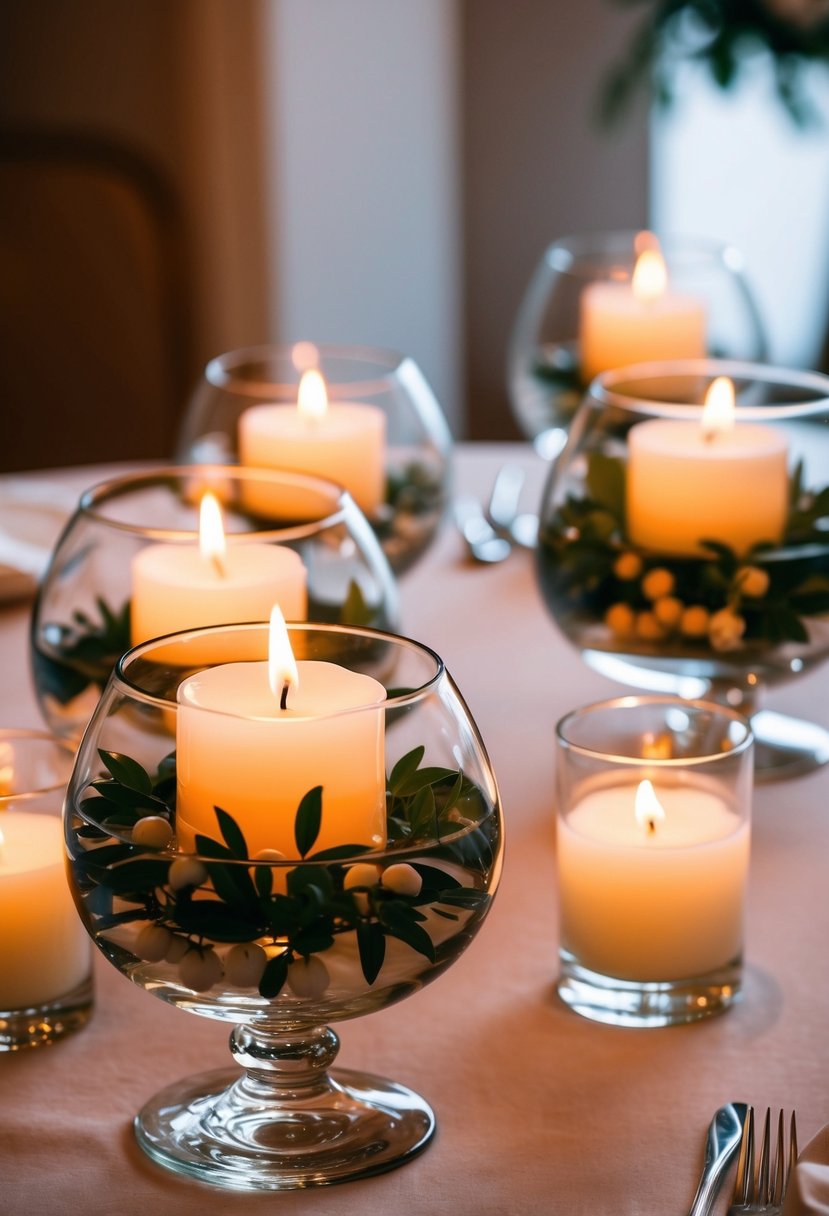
127 771
606 483
142 875
308 820
371 942
423 777
422 815
401 926
312 940
341 852
274 976
356 610
213 919
263 881
232 834
404 768
124 795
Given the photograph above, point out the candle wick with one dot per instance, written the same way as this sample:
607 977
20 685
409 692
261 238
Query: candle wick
218 565
283 700
651 827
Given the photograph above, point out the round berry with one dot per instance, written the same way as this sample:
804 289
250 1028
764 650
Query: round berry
154 831
620 620
657 583
694 621
753 582
152 943
268 855
177 949
361 875
244 964
725 629
402 879
627 566
668 611
308 977
200 969
186 872
648 627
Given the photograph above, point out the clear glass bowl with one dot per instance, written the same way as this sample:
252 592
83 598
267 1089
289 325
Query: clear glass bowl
417 438
83 618
545 376
282 943
728 620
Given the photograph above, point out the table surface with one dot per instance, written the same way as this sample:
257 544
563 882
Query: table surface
539 1111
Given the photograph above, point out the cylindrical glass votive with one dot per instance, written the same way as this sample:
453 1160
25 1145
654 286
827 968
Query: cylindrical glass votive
653 826
45 955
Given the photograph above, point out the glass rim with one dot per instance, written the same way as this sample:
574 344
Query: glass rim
602 389
128 688
54 743
667 763
603 246
92 498
221 372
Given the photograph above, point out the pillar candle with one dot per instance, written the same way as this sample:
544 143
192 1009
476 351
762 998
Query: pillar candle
652 901
44 948
343 441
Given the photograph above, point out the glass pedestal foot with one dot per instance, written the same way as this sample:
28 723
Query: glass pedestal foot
786 747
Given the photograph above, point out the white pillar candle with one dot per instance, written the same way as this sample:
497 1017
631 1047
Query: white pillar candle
178 586
343 442
238 749
658 900
689 481
622 323
44 948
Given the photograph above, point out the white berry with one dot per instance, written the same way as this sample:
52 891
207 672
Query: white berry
154 831
361 875
177 949
268 855
186 872
200 969
402 879
308 977
244 964
152 943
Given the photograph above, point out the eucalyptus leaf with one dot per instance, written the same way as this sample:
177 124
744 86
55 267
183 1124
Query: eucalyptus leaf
127 771
274 977
232 834
308 820
404 768
371 942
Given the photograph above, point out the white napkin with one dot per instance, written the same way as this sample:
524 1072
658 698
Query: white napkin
32 513
808 1190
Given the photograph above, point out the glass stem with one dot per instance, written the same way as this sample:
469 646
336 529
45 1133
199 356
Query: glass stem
284 1066
743 697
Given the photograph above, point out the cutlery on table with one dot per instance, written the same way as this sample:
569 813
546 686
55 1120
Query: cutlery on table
762 1190
483 543
721 1146
503 508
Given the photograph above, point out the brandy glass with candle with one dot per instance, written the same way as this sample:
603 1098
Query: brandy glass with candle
263 831
609 299
683 538
140 557
361 416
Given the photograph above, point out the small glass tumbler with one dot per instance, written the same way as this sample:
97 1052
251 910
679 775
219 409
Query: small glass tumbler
653 830
45 954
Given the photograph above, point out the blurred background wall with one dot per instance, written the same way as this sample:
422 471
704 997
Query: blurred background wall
348 170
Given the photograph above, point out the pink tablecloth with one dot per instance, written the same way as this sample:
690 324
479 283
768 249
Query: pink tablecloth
539 1112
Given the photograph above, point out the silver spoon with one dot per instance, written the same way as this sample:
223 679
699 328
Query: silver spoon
483 542
502 509
721 1145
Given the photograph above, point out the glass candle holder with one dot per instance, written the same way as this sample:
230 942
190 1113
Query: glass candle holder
385 437
653 826
128 567
684 556
45 960
581 316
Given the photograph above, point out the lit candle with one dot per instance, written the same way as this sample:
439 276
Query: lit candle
706 479
651 886
254 738
178 587
640 320
44 948
343 442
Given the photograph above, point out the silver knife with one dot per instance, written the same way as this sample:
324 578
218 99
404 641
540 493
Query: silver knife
721 1145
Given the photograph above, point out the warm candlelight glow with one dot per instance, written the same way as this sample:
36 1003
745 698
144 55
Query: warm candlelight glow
650 277
2 843
282 668
312 399
211 532
718 411
647 807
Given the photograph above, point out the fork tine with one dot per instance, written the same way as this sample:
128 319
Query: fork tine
780 1172
761 1189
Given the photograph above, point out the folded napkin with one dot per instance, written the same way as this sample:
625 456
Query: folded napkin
808 1190
32 513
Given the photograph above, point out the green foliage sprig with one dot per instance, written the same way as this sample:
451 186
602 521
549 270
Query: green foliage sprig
83 652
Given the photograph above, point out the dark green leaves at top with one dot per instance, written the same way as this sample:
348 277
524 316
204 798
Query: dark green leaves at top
232 834
404 768
127 771
308 820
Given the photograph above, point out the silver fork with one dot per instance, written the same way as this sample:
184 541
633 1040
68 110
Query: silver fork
763 1189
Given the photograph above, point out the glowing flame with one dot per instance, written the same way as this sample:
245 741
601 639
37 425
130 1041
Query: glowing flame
312 401
718 411
650 278
647 807
282 668
211 532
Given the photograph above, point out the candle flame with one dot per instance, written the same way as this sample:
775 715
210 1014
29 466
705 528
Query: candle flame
647 807
211 532
282 668
650 277
312 400
718 411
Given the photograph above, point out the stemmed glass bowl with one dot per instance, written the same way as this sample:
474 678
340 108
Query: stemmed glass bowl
326 925
417 439
717 617
84 618
547 375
